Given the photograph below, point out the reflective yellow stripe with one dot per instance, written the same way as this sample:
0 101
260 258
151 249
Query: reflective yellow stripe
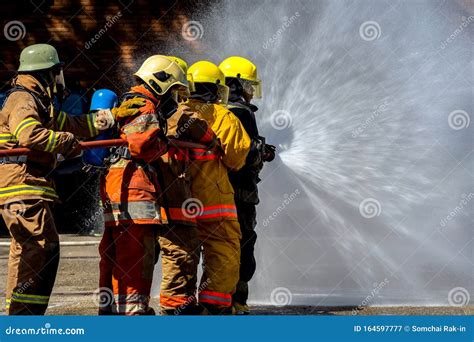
6 137
29 298
27 189
61 120
29 295
90 123
24 124
7 304
51 143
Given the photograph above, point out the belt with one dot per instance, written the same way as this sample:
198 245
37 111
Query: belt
118 152
14 160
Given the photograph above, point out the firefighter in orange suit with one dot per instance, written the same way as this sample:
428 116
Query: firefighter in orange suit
213 196
178 239
30 119
130 190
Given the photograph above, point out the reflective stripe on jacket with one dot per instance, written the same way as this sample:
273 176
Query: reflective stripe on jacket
28 119
175 177
130 189
210 182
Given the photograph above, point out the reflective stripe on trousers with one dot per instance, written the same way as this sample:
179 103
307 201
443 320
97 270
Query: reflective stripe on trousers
221 210
29 299
215 298
131 304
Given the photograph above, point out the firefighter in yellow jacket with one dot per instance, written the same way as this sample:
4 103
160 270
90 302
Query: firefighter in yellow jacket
178 238
213 196
30 119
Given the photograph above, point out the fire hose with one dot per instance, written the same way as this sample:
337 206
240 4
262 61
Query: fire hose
85 145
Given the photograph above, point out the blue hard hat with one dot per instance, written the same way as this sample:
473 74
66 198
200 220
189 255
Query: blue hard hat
103 99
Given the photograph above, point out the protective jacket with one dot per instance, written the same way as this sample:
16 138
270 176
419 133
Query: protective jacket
131 189
29 119
174 165
210 182
246 179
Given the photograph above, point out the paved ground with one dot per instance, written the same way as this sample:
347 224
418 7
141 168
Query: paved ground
79 272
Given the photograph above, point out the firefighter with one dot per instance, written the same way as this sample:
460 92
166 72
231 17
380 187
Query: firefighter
178 239
241 78
213 197
30 119
130 190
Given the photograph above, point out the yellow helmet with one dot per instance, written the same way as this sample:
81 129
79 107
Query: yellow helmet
242 68
161 73
181 62
207 72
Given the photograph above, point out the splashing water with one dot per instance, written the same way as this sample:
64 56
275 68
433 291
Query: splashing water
369 104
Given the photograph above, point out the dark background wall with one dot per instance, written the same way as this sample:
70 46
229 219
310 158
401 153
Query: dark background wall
102 43
127 30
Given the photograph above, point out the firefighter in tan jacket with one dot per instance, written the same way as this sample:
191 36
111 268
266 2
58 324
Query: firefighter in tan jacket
213 195
29 119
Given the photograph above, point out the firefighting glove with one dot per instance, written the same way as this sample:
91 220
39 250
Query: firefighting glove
130 107
268 153
74 149
104 120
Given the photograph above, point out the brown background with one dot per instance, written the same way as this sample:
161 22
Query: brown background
144 28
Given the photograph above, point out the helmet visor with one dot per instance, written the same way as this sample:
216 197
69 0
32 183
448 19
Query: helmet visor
223 93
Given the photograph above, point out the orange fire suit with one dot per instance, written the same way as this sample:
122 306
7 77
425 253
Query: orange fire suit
28 119
178 239
129 194
218 228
